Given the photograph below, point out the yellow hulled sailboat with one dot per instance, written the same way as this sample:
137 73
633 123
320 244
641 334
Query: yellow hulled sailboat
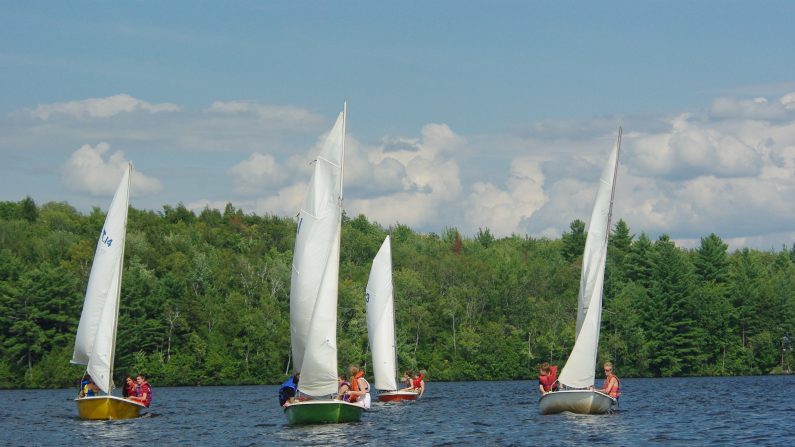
95 342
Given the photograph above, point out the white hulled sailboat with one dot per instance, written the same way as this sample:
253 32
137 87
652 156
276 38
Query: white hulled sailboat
578 375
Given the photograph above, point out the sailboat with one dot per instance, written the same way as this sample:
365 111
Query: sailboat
95 342
577 377
380 305
313 291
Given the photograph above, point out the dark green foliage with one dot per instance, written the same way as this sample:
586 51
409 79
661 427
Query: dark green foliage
574 241
205 299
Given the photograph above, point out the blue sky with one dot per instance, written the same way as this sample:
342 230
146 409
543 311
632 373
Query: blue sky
465 114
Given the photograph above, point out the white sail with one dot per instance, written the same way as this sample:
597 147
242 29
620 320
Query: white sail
580 368
380 305
313 287
95 341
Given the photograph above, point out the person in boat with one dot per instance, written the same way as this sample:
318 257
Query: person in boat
129 387
143 391
88 387
547 378
612 385
360 387
418 383
343 387
288 390
406 379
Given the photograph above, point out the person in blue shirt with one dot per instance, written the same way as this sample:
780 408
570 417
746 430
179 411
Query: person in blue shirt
88 387
288 389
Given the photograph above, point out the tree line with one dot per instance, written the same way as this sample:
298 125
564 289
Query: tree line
205 299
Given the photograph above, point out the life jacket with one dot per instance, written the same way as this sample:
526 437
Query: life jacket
355 386
87 391
614 392
417 383
146 388
287 390
549 381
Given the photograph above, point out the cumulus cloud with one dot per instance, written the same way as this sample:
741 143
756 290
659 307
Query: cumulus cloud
86 170
502 211
420 177
254 175
101 107
414 181
689 150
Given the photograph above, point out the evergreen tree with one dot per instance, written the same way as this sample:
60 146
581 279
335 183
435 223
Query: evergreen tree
574 240
671 329
712 261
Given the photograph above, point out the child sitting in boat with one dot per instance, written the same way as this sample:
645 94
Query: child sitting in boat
360 387
143 391
343 387
88 387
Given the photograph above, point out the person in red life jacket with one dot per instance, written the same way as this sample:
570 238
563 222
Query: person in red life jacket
417 383
612 386
547 378
143 391
343 387
360 387
128 390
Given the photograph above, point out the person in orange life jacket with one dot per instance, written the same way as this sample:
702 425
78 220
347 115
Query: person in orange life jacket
360 388
547 378
343 387
143 391
612 386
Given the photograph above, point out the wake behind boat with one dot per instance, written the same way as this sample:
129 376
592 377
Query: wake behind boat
314 288
577 377
95 342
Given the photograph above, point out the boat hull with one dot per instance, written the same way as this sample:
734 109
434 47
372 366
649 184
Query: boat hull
397 396
107 407
577 401
323 412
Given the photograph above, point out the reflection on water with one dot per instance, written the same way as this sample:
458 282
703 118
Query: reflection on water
692 411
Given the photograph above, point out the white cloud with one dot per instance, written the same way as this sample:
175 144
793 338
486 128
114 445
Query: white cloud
101 107
87 171
419 180
503 211
286 202
690 150
256 174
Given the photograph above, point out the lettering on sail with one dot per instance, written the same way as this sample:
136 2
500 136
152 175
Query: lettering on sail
105 239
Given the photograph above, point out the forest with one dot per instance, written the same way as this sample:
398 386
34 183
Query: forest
205 299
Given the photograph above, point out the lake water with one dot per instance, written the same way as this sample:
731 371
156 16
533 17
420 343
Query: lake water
690 411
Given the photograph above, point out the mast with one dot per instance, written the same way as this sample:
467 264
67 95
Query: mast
342 160
613 189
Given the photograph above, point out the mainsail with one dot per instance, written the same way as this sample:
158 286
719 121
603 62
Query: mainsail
95 342
313 287
380 305
579 371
